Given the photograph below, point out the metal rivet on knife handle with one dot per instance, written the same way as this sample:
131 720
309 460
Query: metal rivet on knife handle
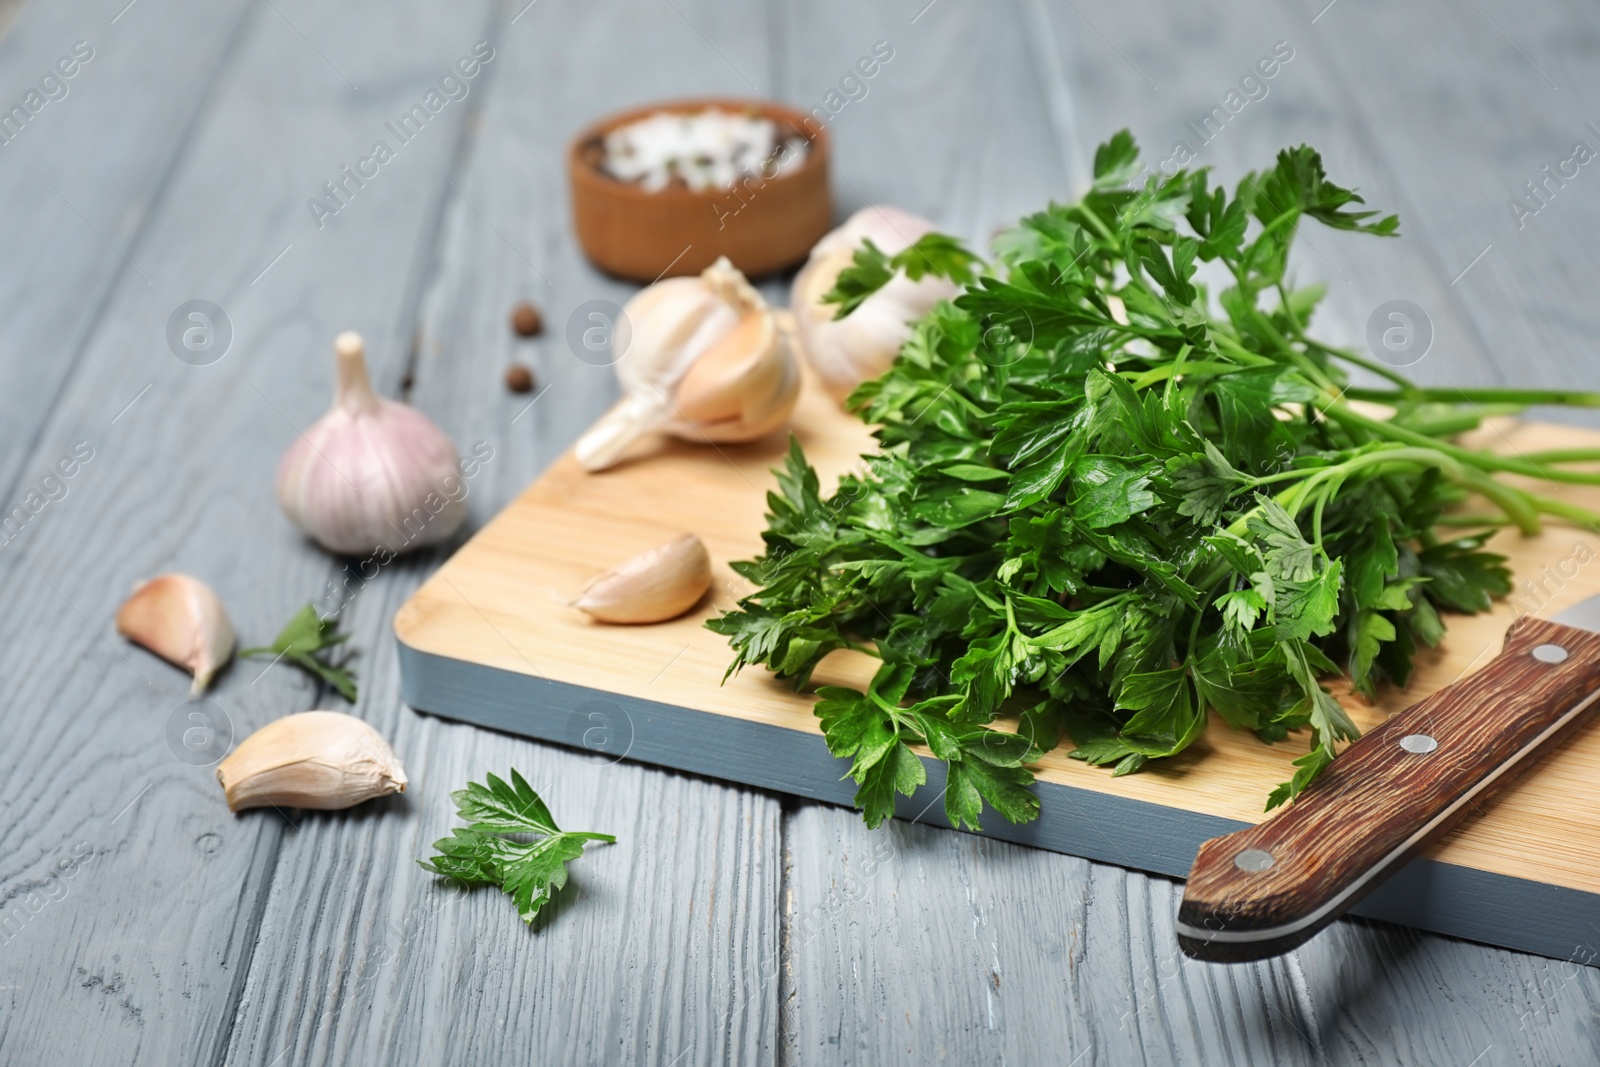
1550 654
1418 743
1253 859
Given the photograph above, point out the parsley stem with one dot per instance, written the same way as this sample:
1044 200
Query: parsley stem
1427 457
1514 502
1562 509
1486 461
1525 397
1295 326
1408 389
1193 368
1083 212
1262 322
1239 352
1172 377
1472 520
1518 505
1455 420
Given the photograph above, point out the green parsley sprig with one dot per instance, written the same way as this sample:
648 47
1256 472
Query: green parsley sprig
1109 498
300 641
529 871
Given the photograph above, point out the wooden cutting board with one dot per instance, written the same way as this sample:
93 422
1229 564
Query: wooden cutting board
489 640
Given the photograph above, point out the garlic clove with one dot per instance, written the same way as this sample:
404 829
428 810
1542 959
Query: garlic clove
316 759
608 440
665 328
371 474
653 586
748 371
668 325
771 392
705 360
181 620
862 345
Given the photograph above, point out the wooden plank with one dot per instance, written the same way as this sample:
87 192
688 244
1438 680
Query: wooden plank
665 945
1527 298
135 100
141 954
953 948
952 127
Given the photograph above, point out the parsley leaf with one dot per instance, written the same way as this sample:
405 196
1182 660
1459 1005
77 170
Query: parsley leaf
530 872
300 641
869 271
865 727
871 268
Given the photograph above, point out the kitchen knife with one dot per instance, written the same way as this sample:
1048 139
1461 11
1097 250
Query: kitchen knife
1264 890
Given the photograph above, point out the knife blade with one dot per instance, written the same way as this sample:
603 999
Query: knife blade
1264 890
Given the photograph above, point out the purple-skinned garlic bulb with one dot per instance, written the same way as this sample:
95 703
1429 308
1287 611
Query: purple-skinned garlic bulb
372 473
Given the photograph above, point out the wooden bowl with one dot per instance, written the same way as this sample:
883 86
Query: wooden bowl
762 225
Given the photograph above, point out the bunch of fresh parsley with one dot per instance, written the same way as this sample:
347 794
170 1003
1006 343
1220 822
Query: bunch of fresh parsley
1100 507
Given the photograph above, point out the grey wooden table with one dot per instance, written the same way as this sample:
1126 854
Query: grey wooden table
140 922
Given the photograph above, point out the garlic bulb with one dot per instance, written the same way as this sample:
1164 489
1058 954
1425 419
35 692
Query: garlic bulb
706 361
846 352
653 586
316 759
181 620
371 474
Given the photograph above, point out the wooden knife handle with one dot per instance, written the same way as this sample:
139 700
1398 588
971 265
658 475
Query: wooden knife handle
1266 889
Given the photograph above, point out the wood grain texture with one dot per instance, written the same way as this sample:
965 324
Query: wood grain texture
140 955
915 945
196 158
1381 802
665 944
1461 143
129 111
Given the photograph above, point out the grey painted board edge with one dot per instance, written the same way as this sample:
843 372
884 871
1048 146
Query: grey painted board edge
1443 898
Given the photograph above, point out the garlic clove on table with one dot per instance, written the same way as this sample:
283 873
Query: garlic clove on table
315 759
653 586
704 360
371 474
862 345
181 620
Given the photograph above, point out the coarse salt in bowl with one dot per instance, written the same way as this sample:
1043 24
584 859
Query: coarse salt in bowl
663 190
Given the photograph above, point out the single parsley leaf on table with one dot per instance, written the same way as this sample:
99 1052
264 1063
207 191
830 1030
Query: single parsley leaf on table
300 641
530 872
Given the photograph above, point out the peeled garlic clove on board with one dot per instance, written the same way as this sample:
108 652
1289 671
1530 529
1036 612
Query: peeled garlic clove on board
371 474
181 620
316 759
705 360
653 586
861 346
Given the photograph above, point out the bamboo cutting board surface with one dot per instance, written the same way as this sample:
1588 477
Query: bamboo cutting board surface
500 603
